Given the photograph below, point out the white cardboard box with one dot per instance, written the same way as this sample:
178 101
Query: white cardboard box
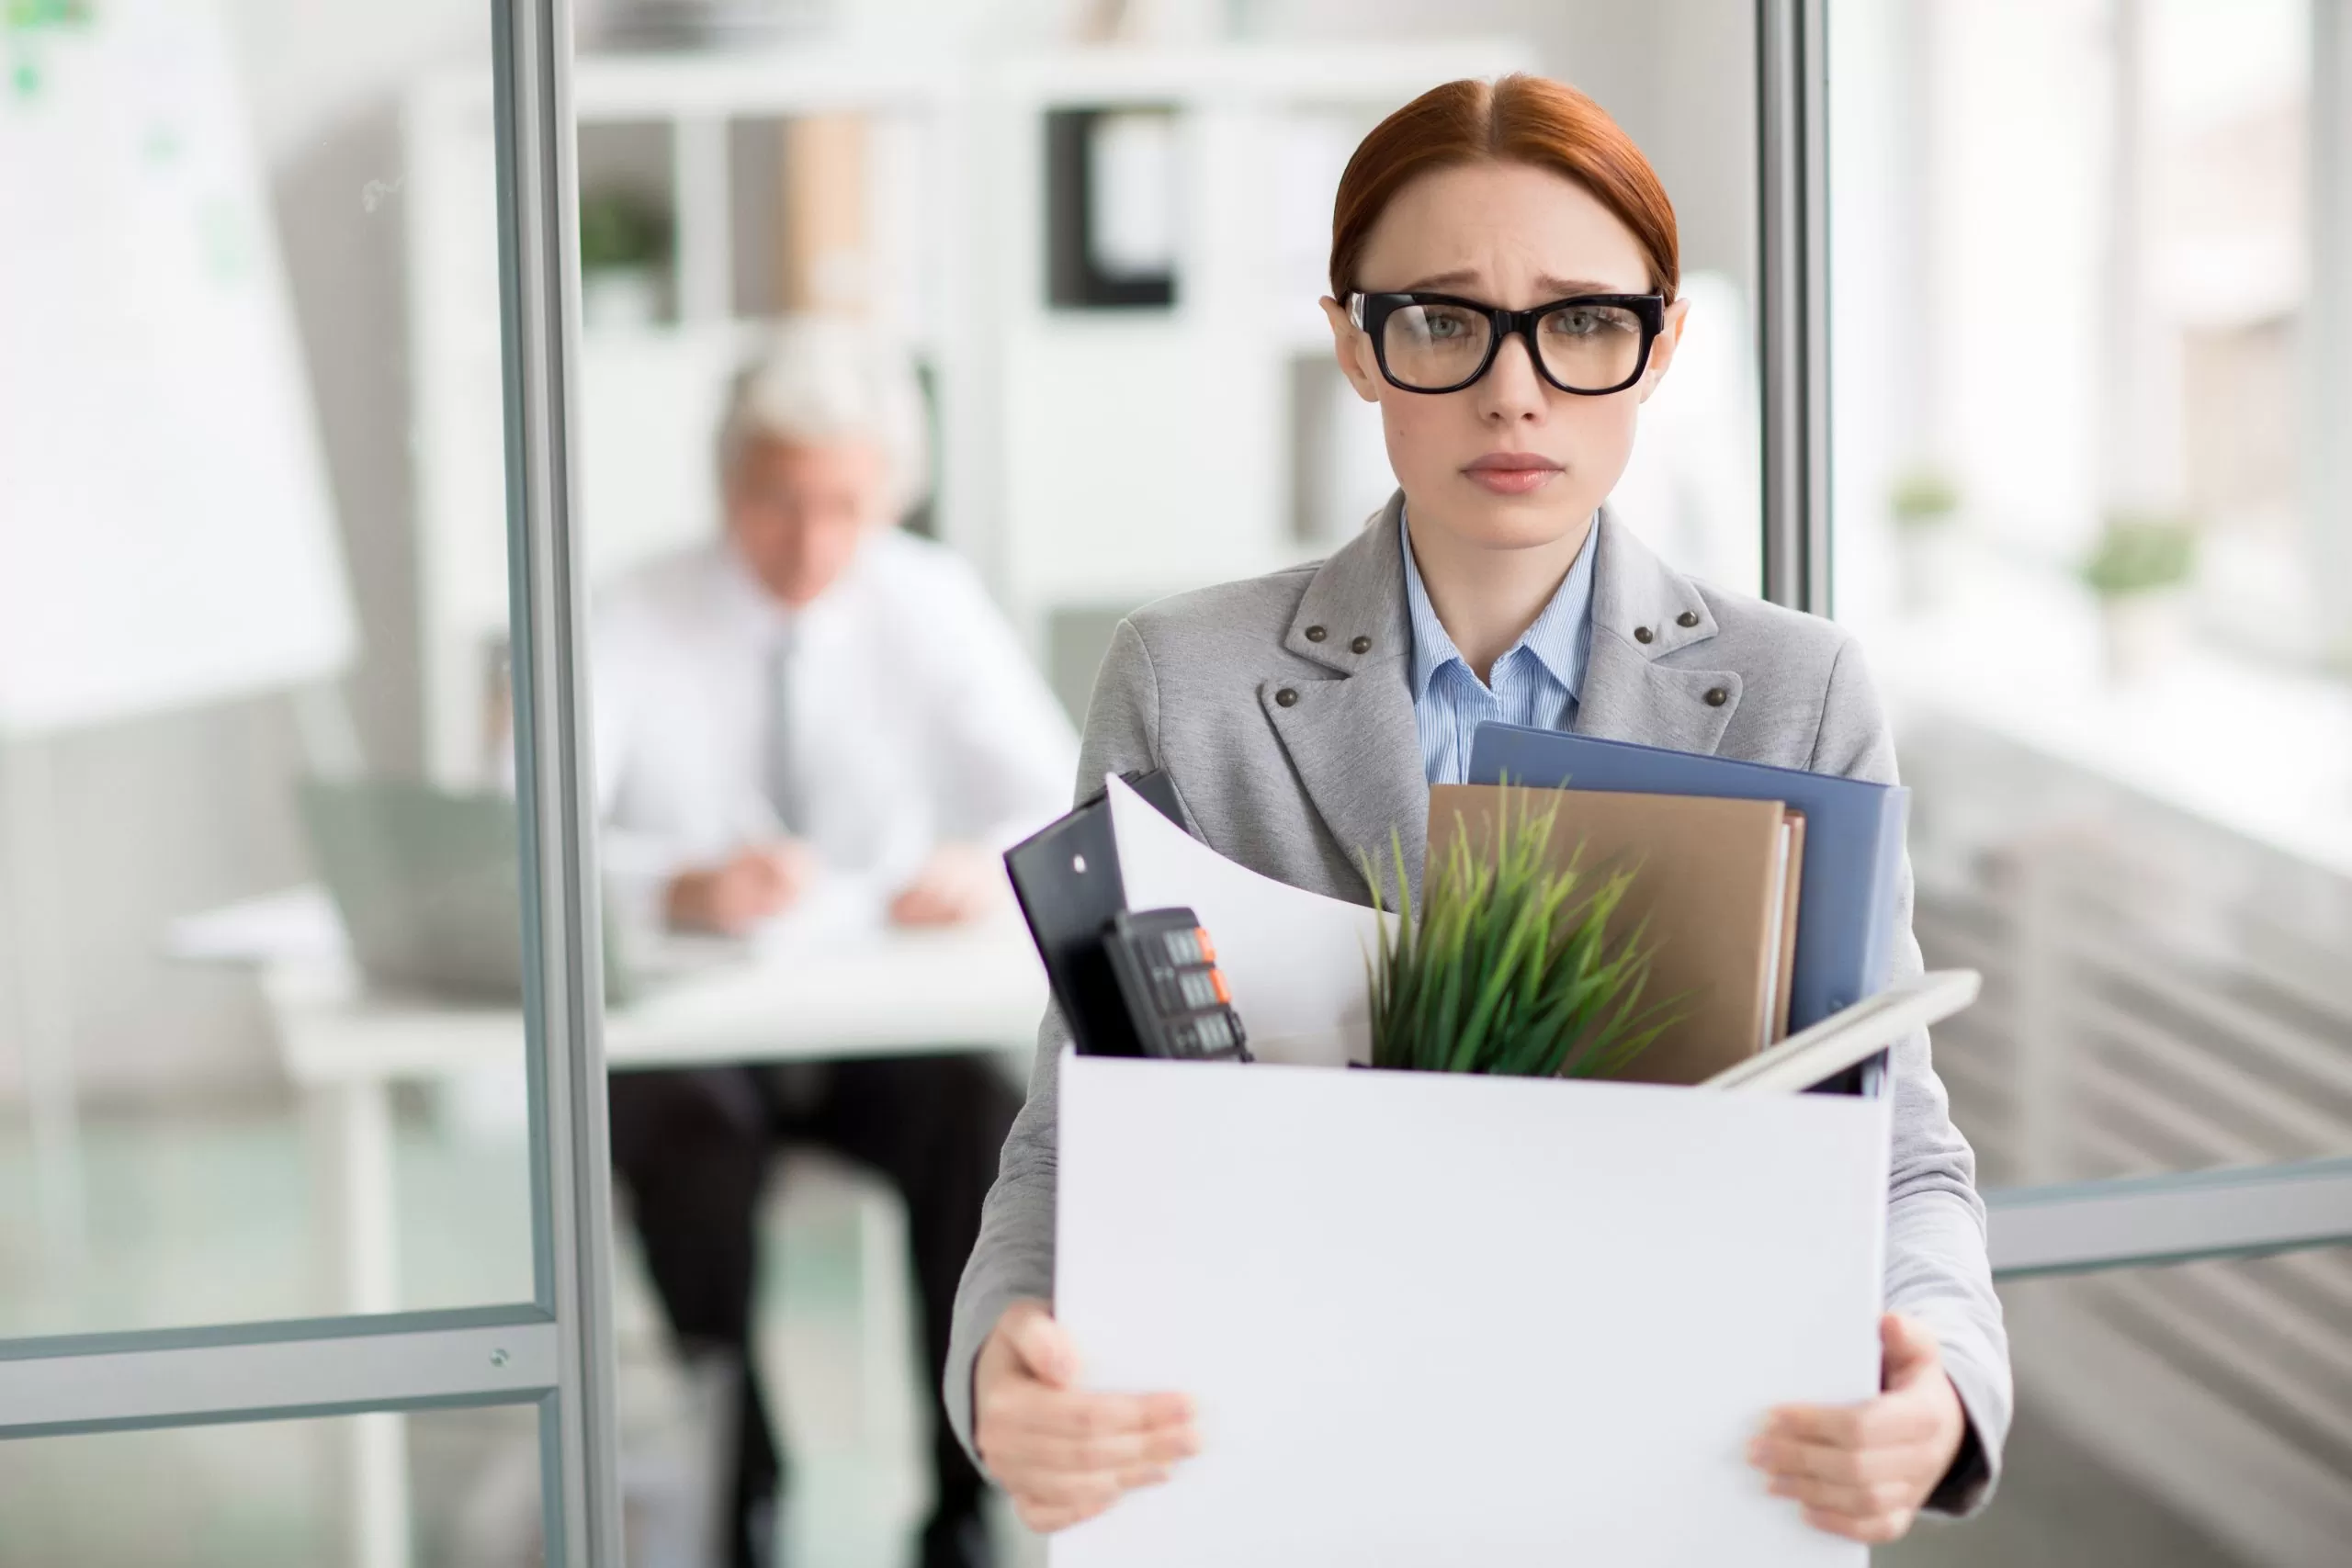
1434 1319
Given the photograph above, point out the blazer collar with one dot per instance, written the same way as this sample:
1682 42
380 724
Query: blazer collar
1354 742
1352 614
1640 606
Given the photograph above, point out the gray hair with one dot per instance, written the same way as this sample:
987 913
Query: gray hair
824 378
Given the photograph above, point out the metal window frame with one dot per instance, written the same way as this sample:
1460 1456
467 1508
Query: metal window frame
2073 1228
563 1002
2137 1222
556 1351
1793 310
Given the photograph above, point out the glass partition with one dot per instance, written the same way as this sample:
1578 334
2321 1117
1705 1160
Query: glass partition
2080 273
2079 266
268 1494
301 1084
261 1041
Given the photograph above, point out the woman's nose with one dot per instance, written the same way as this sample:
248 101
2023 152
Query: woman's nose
1511 389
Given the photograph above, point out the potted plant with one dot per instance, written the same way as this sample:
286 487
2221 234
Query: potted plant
2140 571
624 257
1925 506
1513 967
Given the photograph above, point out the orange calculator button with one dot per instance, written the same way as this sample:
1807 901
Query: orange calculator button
1217 978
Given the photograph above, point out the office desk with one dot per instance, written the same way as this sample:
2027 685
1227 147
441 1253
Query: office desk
821 994
865 994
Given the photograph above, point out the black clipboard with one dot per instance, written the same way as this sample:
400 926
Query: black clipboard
1066 877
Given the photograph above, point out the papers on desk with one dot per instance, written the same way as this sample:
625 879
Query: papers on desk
297 926
1433 1319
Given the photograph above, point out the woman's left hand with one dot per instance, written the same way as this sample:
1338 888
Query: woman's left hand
1863 1471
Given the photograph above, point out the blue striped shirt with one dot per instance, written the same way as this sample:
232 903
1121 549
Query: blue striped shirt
1536 682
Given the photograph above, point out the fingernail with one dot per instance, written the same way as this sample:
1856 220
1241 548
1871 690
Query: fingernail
1756 1451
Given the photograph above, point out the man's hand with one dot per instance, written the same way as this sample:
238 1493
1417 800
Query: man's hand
1863 1471
1064 1455
958 883
731 897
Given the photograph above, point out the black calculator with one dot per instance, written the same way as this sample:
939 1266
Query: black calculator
1176 997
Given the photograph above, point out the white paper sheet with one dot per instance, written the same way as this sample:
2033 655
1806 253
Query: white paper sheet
1296 962
1433 1319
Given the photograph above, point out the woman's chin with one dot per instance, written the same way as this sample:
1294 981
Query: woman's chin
1545 516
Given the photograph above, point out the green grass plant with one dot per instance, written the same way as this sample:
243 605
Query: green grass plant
1511 967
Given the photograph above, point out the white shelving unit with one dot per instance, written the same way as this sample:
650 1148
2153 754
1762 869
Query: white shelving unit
1090 460
1151 450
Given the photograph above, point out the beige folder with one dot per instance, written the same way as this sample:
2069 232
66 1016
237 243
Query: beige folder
1717 880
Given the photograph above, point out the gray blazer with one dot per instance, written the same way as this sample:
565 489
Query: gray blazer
1280 709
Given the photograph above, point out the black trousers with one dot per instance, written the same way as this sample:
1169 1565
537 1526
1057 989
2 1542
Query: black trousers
693 1147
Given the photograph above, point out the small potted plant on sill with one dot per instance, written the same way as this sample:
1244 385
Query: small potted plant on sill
1513 967
623 259
1924 507
2140 571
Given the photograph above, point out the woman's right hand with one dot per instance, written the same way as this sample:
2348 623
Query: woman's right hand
1062 1454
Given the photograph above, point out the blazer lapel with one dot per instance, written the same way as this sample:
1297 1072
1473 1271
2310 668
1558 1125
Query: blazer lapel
1352 740
1639 604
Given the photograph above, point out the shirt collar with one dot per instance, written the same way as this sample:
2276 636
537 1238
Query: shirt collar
761 617
1559 637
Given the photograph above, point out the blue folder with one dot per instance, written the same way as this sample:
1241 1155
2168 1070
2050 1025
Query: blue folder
1853 842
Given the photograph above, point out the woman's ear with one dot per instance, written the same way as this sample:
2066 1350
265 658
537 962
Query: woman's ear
1670 338
1353 350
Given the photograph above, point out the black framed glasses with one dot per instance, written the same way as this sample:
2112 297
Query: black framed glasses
1589 345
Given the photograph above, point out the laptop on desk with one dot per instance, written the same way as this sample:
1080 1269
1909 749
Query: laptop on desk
429 886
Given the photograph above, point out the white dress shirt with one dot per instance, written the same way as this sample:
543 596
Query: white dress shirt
912 717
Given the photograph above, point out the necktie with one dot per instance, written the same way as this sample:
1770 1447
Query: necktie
778 762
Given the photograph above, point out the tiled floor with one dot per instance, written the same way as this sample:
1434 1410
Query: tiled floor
209 1219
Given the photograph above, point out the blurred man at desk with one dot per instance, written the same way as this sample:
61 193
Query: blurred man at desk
815 700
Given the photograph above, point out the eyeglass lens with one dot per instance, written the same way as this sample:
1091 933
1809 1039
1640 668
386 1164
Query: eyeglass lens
1588 348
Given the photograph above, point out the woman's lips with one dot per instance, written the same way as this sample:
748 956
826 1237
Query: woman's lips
1511 473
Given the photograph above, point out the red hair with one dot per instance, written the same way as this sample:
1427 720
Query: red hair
1516 119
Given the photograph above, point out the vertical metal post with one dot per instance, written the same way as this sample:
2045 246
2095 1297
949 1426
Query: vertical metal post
563 990
2138 423
1793 145
2327 320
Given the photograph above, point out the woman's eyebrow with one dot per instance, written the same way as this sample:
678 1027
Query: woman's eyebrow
1553 288
1562 288
1458 277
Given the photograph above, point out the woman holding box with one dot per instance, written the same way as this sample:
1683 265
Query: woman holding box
1503 276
